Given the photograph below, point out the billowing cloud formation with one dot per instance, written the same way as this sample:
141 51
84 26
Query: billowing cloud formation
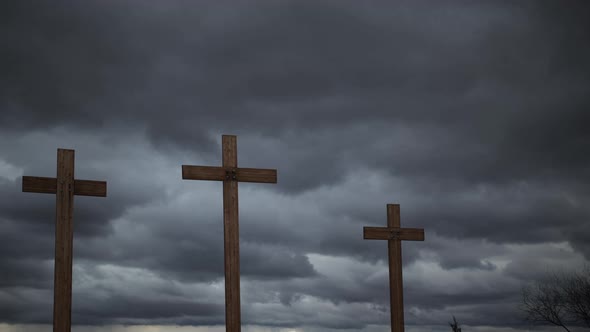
472 116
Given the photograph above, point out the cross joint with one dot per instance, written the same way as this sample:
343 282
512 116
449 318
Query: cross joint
231 174
394 234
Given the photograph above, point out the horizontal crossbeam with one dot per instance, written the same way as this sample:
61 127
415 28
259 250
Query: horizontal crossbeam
213 173
44 185
393 233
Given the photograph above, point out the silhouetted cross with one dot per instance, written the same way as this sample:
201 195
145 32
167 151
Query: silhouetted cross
230 174
394 234
64 186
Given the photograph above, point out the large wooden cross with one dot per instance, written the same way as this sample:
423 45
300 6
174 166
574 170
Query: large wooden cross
230 174
65 187
394 234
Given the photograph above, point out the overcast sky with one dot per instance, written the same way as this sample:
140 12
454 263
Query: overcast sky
473 116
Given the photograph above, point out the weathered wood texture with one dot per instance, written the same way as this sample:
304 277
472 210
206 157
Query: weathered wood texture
230 174
385 233
64 207
64 186
396 290
394 234
231 237
210 173
37 184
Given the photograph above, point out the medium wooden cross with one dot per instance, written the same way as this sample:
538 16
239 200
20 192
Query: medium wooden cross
394 234
65 187
230 174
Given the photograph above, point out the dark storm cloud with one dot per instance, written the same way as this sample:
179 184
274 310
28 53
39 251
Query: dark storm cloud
28 219
189 247
101 312
92 213
303 66
472 116
25 272
26 305
41 218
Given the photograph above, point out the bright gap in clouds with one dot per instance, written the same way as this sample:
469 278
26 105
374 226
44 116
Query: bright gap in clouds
9 171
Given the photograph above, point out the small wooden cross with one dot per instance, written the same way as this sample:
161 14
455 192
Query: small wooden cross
230 174
65 187
394 235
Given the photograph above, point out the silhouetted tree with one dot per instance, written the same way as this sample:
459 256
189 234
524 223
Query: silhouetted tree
455 325
560 299
577 294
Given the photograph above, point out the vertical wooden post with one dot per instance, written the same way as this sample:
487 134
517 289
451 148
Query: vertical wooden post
231 238
64 186
395 271
64 237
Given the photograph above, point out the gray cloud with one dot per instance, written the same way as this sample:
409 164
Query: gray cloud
472 116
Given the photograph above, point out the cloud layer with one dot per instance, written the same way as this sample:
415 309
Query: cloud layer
472 116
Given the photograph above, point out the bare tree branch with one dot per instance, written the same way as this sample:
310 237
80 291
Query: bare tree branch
455 325
577 293
560 299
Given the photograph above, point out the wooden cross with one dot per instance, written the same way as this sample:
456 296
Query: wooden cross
230 174
394 235
65 187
